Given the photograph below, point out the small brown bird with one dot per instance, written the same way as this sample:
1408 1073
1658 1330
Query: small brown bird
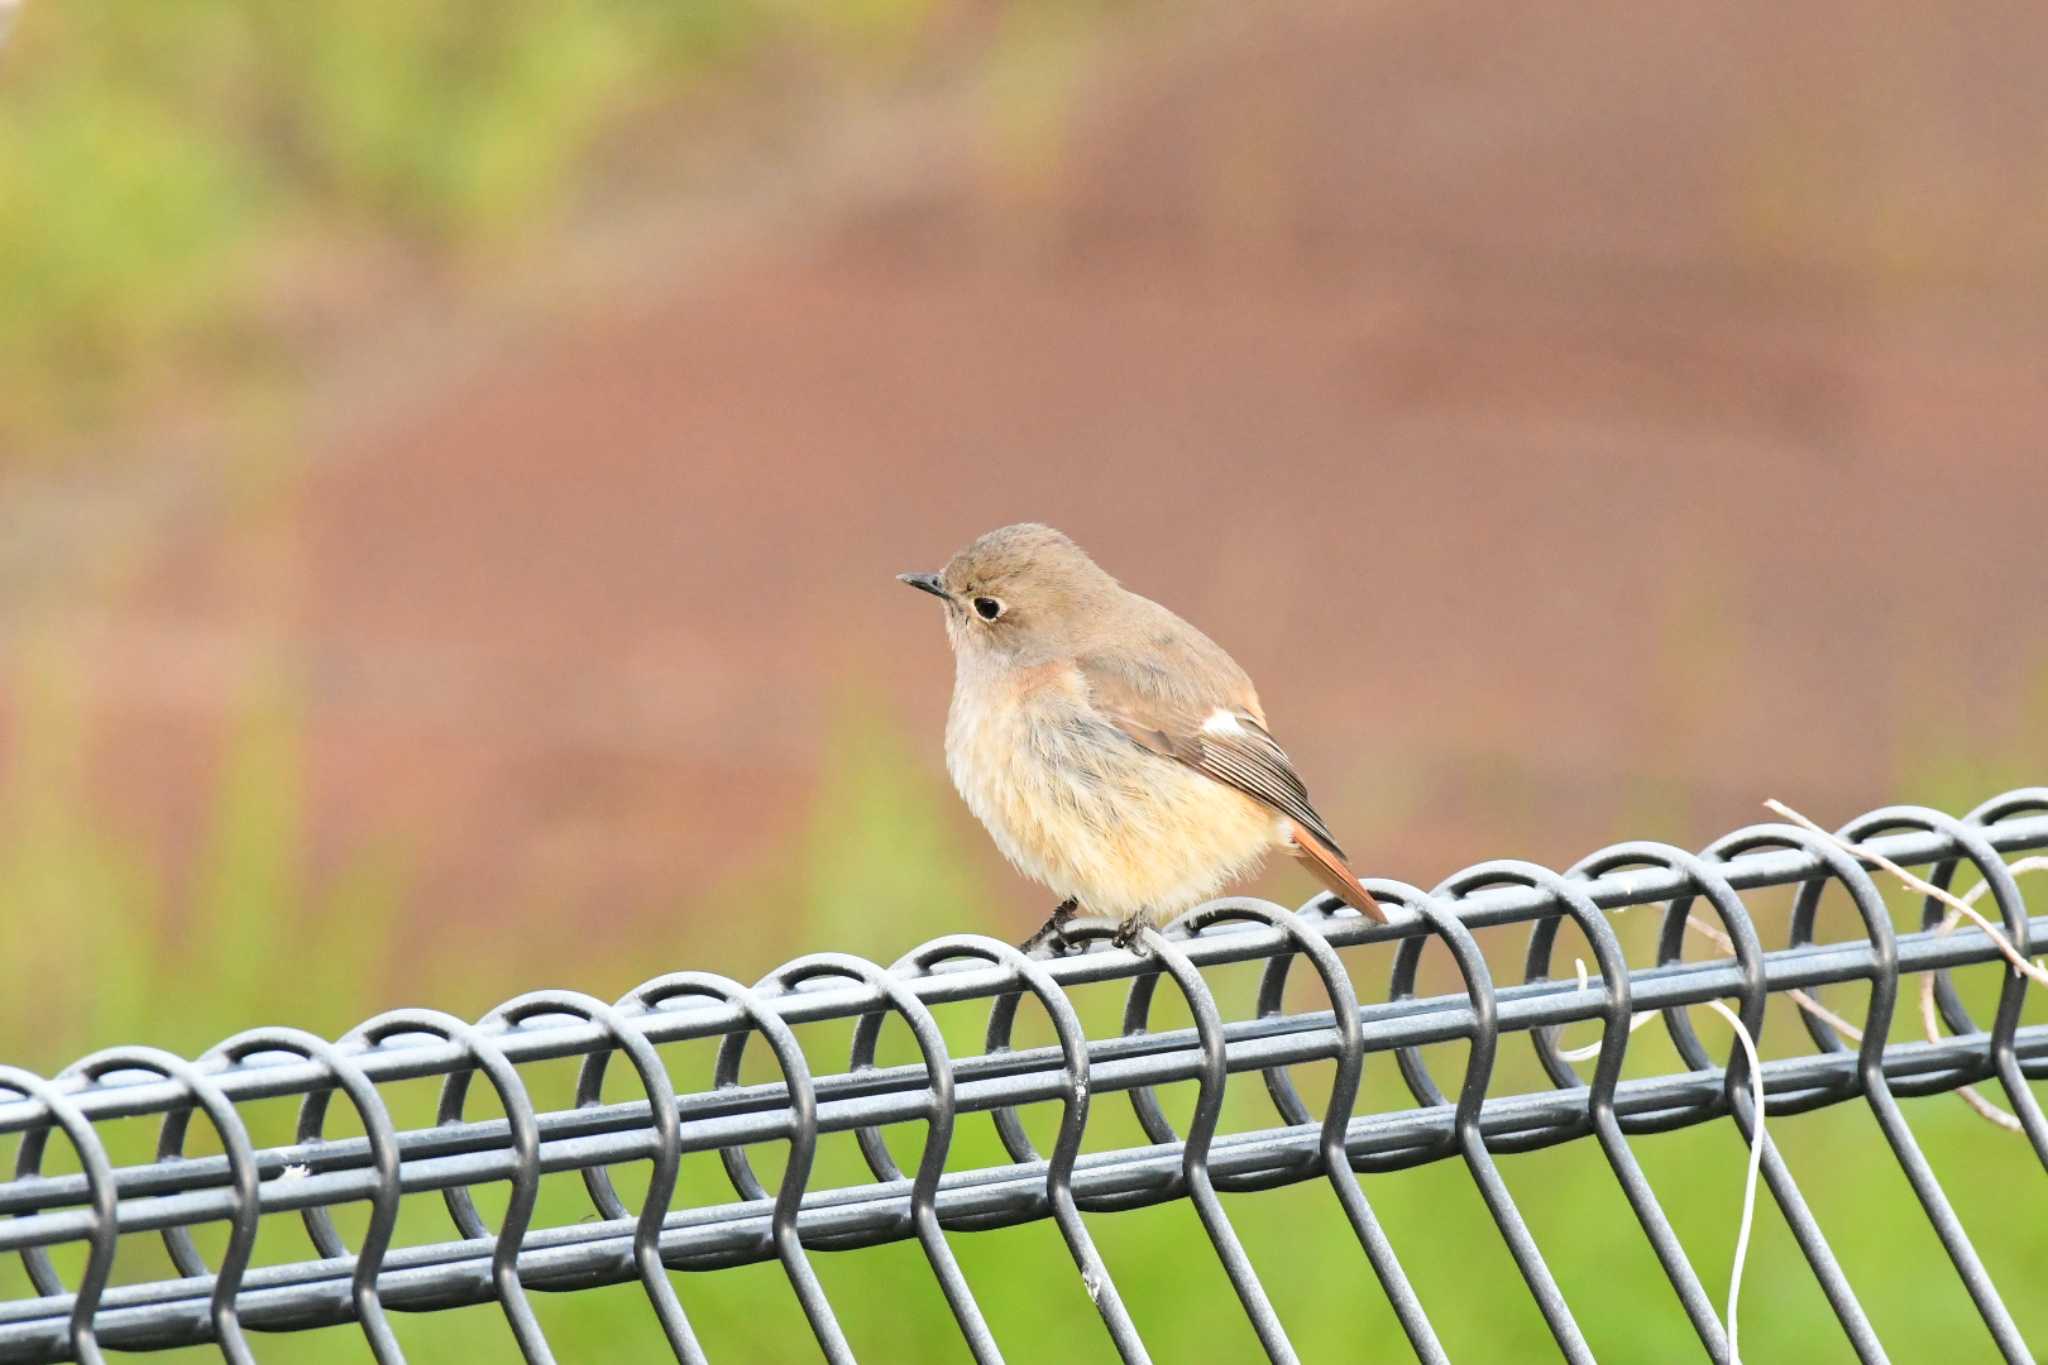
1115 753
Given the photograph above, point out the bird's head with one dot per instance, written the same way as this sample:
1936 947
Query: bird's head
1019 594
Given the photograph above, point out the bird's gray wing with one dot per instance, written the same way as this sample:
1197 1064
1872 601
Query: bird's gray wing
1195 706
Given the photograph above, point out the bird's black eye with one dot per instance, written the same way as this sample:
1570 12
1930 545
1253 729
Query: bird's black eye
988 608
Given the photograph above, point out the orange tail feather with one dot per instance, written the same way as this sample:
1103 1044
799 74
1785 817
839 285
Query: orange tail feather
1329 869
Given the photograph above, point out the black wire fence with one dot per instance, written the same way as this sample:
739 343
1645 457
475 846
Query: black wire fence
226 1300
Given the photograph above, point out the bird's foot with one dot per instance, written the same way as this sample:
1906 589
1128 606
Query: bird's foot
1129 932
1050 937
1052 934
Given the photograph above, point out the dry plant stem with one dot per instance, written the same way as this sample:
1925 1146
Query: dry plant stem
1925 888
1712 932
1592 1049
1958 907
1798 997
1985 1108
1932 1025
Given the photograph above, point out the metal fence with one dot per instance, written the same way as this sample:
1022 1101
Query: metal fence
226 1301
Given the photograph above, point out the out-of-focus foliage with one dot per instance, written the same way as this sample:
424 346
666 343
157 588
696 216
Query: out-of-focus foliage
155 160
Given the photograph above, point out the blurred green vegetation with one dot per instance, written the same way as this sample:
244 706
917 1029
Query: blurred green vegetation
118 950
159 162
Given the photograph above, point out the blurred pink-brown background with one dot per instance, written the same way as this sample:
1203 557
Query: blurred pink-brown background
1585 423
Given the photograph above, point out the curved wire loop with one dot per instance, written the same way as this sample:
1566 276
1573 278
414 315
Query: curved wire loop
242 1176
383 1143
1212 1080
1466 1136
939 1120
1578 906
2005 893
1002 1018
1735 1096
1869 902
1570 892
1748 951
803 1138
1303 928
1308 942
661 1184
1066 1150
487 1056
100 1192
1968 833
1483 1034
1735 1091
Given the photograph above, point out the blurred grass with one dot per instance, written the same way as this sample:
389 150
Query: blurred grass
118 950
155 160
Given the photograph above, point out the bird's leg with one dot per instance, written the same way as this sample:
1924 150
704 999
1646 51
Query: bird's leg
1127 933
1054 931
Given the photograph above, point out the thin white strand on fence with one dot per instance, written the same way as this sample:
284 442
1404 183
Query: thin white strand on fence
1757 1139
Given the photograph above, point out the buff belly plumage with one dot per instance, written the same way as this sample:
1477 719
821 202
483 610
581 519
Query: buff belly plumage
1076 805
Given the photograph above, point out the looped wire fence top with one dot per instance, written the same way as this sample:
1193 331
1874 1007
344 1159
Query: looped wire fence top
1511 1098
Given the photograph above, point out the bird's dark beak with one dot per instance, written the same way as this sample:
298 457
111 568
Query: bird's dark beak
927 582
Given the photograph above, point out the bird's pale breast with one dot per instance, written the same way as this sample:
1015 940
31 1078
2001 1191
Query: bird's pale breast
1075 804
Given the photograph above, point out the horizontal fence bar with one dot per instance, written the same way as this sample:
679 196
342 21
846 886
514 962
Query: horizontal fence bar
1506 905
456 1274
603 1135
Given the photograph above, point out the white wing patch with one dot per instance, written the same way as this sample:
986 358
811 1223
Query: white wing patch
1222 722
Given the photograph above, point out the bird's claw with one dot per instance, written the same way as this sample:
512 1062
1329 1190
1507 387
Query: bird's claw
1052 938
1052 934
1129 933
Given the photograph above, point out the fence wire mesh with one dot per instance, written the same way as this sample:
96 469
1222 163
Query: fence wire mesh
225 1299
